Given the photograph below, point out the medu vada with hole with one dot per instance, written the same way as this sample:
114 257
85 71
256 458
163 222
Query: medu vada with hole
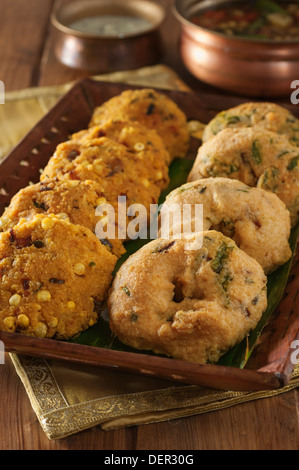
257 220
256 157
264 116
189 304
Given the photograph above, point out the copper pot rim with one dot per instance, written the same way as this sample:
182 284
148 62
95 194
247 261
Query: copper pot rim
230 39
59 25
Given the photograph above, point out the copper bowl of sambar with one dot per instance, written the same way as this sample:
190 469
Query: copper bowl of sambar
242 65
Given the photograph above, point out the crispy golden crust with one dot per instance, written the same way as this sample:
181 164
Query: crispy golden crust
54 275
75 201
256 157
267 116
144 142
257 220
152 109
118 171
189 304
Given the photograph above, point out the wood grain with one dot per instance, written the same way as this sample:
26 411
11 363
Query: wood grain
268 424
24 30
242 427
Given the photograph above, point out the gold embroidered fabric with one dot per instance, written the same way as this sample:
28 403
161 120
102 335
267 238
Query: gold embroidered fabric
69 398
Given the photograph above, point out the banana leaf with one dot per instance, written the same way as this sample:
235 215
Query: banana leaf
239 355
100 334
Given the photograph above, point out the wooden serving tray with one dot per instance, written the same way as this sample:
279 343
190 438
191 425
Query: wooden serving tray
270 366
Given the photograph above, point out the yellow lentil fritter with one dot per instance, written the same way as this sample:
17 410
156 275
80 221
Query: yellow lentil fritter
143 142
154 110
257 220
118 171
192 305
54 277
75 201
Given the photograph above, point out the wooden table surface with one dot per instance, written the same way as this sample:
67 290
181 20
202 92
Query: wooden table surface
26 49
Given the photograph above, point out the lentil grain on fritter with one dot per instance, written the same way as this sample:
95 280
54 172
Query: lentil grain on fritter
117 171
144 143
73 200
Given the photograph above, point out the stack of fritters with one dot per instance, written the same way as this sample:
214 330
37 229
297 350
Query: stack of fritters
195 302
55 270
256 143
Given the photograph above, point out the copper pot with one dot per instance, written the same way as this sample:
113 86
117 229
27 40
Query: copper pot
99 53
243 66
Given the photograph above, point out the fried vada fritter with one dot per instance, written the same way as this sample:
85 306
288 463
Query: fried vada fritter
257 220
283 180
152 109
192 305
256 157
75 201
140 140
117 171
264 116
54 277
